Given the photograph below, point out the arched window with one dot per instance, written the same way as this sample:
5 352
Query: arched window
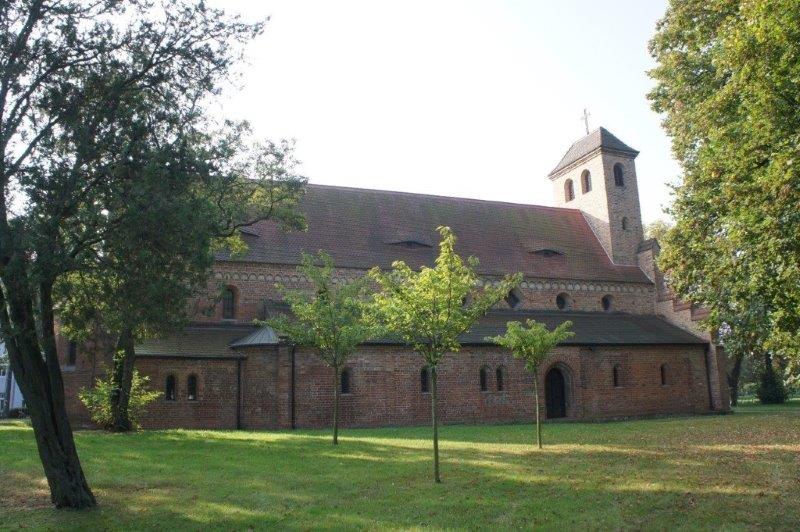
664 375
513 299
569 190
624 223
344 381
607 302
191 388
424 380
484 384
500 376
169 390
617 377
619 175
228 303
563 301
72 354
586 181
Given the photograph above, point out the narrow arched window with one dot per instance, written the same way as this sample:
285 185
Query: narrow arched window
617 377
228 303
569 190
191 388
72 354
484 384
513 299
586 181
500 376
169 389
664 375
624 223
344 381
563 301
607 302
424 380
619 175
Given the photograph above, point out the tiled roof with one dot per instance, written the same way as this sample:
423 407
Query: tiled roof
590 328
599 138
362 228
260 337
202 341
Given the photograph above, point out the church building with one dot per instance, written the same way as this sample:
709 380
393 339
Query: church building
637 350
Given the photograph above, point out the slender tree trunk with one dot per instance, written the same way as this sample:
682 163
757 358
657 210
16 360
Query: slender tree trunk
122 375
435 422
336 393
39 377
536 400
733 378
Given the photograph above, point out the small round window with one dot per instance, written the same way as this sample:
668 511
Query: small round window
607 303
563 301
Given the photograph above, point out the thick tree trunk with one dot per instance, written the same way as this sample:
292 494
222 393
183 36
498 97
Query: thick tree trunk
35 363
122 375
536 399
336 393
435 422
733 378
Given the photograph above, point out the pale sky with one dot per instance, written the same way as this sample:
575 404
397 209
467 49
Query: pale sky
462 98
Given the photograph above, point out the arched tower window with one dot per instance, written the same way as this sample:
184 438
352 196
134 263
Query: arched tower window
500 375
345 381
563 301
607 302
513 298
72 353
228 303
169 388
424 380
664 375
569 190
617 377
624 223
191 388
586 181
619 175
483 380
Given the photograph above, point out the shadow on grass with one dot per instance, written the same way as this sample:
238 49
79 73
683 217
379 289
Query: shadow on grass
728 471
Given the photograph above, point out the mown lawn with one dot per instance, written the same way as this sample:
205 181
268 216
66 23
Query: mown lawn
740 471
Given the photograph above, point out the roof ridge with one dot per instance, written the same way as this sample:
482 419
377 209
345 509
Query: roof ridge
441 196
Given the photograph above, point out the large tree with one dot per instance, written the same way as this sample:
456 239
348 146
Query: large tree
182 206
71 76
431 308
332 318
728 84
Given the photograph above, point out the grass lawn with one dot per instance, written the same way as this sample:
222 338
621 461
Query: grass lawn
740 471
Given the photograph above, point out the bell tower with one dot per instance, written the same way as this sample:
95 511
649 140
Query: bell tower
598 176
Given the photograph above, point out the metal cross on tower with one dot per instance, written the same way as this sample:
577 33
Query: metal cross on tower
585 118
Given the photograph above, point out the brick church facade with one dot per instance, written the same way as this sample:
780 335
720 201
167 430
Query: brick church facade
637 351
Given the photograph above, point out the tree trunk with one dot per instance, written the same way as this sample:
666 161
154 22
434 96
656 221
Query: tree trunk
38 374
336 393
536 400
733 378
122 375
435 422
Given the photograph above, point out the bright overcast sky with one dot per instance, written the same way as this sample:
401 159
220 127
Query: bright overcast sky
460 98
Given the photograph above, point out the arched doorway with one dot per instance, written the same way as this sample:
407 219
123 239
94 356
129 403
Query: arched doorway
555 393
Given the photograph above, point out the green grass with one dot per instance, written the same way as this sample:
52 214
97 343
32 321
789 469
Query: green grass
740 471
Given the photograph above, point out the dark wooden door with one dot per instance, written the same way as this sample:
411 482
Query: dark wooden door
555 394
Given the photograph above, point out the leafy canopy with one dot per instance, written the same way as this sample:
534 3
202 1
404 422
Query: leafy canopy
429 309
727 82
533 341
99 398
333 318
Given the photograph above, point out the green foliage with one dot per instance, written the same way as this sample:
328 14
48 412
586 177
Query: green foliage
98 400
657 229
532 342
727 81
333 318
430 308
771 390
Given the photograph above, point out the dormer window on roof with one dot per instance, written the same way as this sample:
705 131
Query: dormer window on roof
547 252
